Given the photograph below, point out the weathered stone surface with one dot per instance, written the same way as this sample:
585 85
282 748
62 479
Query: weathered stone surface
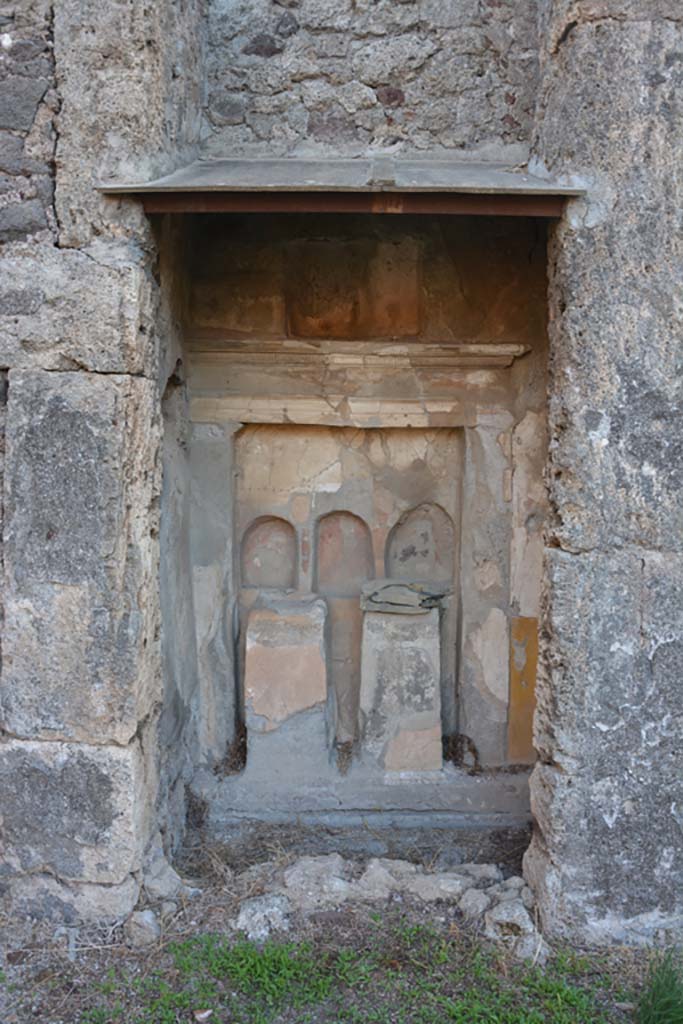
21 97
509 923
442 886
376 882
328 57
142 929
161 880
606 862
482 872
474 902
604 859
43 897
485 556
614 324
81 616
77 812
137 120
19 220
318 881
64 310
260 916
401 691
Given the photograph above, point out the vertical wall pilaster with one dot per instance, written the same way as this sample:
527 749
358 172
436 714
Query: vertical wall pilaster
88 342
607 855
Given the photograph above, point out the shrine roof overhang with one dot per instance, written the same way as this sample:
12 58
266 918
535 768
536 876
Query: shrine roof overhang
383 184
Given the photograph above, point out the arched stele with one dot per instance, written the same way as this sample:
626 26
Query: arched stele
343 562
421 545
343 554
268 555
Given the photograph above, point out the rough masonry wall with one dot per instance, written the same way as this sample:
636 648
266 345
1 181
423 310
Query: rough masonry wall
607 855
86 346
348 76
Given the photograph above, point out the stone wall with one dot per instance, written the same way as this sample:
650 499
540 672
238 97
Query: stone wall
97 740
607 856
346 76
87 345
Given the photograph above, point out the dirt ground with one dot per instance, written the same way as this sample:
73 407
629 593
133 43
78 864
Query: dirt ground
396 962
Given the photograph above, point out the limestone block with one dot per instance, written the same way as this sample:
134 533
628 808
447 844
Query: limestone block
617 467
137 120
605 860
77 812
67 310
79 648
284 668
400 691
45 897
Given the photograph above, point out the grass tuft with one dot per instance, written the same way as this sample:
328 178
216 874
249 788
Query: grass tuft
661 1001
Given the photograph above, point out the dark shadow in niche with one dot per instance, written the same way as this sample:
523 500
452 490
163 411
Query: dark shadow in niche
343 562
268 554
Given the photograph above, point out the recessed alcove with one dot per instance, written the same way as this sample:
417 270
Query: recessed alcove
365 399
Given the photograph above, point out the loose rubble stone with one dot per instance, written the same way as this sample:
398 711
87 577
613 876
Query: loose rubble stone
142 929
510 923
474 902
508 920
482 872
260 916
376 882
430 888
162 881
514 882
318 881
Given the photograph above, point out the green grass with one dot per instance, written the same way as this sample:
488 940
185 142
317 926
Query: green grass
402 974
661 1001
